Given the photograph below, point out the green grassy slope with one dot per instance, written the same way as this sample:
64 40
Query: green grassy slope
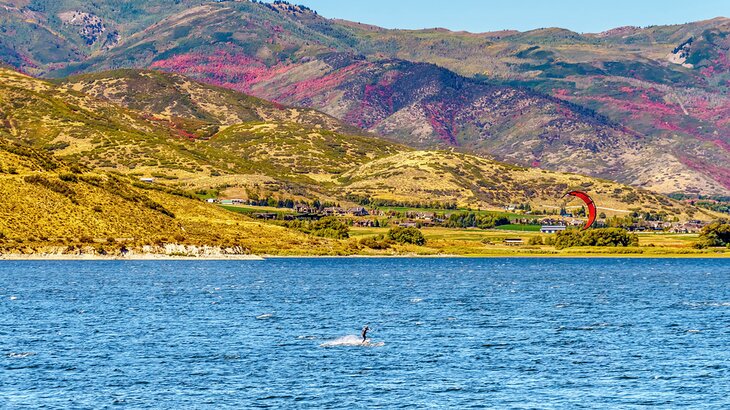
218 132
469 181
48 205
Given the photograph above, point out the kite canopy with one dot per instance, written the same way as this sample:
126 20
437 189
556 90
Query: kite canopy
589 202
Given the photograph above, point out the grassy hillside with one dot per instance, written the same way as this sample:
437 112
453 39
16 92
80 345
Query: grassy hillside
201 107
39 35
48 206
475 182
84 129
273 139
201 130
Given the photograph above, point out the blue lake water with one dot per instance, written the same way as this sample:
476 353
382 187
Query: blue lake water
448 333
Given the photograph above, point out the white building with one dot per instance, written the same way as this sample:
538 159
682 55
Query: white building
552 228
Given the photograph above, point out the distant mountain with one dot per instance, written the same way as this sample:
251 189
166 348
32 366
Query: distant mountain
667 83
642 106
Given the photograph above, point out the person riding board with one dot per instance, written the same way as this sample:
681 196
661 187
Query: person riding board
364 333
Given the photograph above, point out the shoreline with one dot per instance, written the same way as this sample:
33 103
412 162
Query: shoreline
263 257
505 256
137 257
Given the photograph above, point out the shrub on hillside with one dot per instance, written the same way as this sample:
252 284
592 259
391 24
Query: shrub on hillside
535 240
595 237
407 235
68 177
376 242
54 185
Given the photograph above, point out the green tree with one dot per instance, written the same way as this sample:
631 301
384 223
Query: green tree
407 235
567 239
376 242
715 234
609 237
330 227
535 240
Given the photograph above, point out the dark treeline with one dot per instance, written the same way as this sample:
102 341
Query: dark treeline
375 202
474 220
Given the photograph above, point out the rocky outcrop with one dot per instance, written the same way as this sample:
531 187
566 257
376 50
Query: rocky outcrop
90 26
680 54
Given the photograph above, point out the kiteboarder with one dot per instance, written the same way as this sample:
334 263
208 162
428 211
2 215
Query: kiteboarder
364 333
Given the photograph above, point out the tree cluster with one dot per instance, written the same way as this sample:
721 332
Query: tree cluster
595 237
474 220
329 227
407 235
377 202
715 234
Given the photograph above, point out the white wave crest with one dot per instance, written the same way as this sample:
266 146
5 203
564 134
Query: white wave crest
351 340
20 355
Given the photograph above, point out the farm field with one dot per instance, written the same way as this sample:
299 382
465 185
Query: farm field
491 242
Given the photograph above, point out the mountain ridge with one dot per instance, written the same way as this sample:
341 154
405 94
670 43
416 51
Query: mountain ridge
291 55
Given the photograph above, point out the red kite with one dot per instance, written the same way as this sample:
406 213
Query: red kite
589 202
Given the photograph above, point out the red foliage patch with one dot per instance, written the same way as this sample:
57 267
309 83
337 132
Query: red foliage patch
441 117
663 125
314 86
376 104
561 93
627 90
235 71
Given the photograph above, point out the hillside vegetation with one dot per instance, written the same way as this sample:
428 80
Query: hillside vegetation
49 206
256 148
421 176
219 132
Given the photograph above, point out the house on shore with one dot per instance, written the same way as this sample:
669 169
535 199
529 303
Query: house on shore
693 226
333 211
232 202
551 229
303 208
358 211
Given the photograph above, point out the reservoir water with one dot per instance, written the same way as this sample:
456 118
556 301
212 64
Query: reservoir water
446 333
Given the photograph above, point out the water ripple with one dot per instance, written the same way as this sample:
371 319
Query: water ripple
446 333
